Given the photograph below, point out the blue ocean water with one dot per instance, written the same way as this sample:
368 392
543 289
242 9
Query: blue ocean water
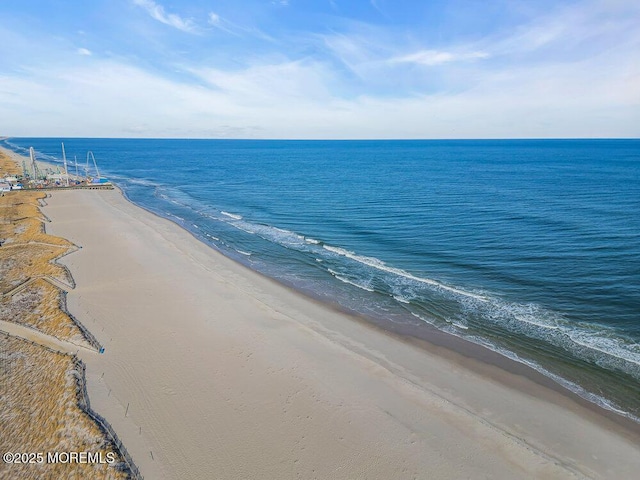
528 247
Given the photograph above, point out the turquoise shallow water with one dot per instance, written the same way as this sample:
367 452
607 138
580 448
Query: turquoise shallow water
531 248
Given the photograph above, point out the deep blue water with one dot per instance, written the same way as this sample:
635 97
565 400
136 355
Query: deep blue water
530 247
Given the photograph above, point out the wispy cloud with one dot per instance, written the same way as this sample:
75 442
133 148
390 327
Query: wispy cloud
435 57
221 24
214 19
298 100
225 25
362 53
272 84
232 28
570 31
375 5
570 71
157 12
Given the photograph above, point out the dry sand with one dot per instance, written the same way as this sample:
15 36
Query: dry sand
212 371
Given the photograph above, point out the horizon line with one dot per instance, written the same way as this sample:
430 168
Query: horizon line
355 139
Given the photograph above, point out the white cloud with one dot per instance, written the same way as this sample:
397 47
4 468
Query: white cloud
361 53
220 23
560 93
436 57
157 12
296 83
232 28
84 51
573 29
296 100
214 18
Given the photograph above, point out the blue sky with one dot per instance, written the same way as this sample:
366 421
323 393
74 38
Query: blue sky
320 69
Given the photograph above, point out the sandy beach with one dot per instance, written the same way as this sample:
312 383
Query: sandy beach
213 371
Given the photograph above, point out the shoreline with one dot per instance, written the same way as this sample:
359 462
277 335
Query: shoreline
503 358
348 344
567 379
473 356
497 403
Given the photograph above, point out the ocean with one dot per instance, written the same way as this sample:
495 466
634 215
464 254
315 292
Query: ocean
530 248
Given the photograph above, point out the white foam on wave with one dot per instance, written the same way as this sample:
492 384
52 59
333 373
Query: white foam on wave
244 229
401 299
597 343
380 265
607 345
242 252
142 181
16 148
527 314
277 235
424 319
350 282
459 325
280 236
171 197
174 216
531 321
445 328
231 215
282 233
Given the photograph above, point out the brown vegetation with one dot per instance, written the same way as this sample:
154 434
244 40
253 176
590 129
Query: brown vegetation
27 271
7 165
38 306
39 397
40 407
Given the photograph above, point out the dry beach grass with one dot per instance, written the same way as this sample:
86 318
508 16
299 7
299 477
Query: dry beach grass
40 413
40 389
29 279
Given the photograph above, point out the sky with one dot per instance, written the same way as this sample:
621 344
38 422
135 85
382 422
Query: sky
320 69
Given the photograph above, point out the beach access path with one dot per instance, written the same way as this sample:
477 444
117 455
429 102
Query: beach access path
213 371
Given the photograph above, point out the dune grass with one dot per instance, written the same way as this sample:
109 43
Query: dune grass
8 165
40 413
38 306
27 258
39 388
